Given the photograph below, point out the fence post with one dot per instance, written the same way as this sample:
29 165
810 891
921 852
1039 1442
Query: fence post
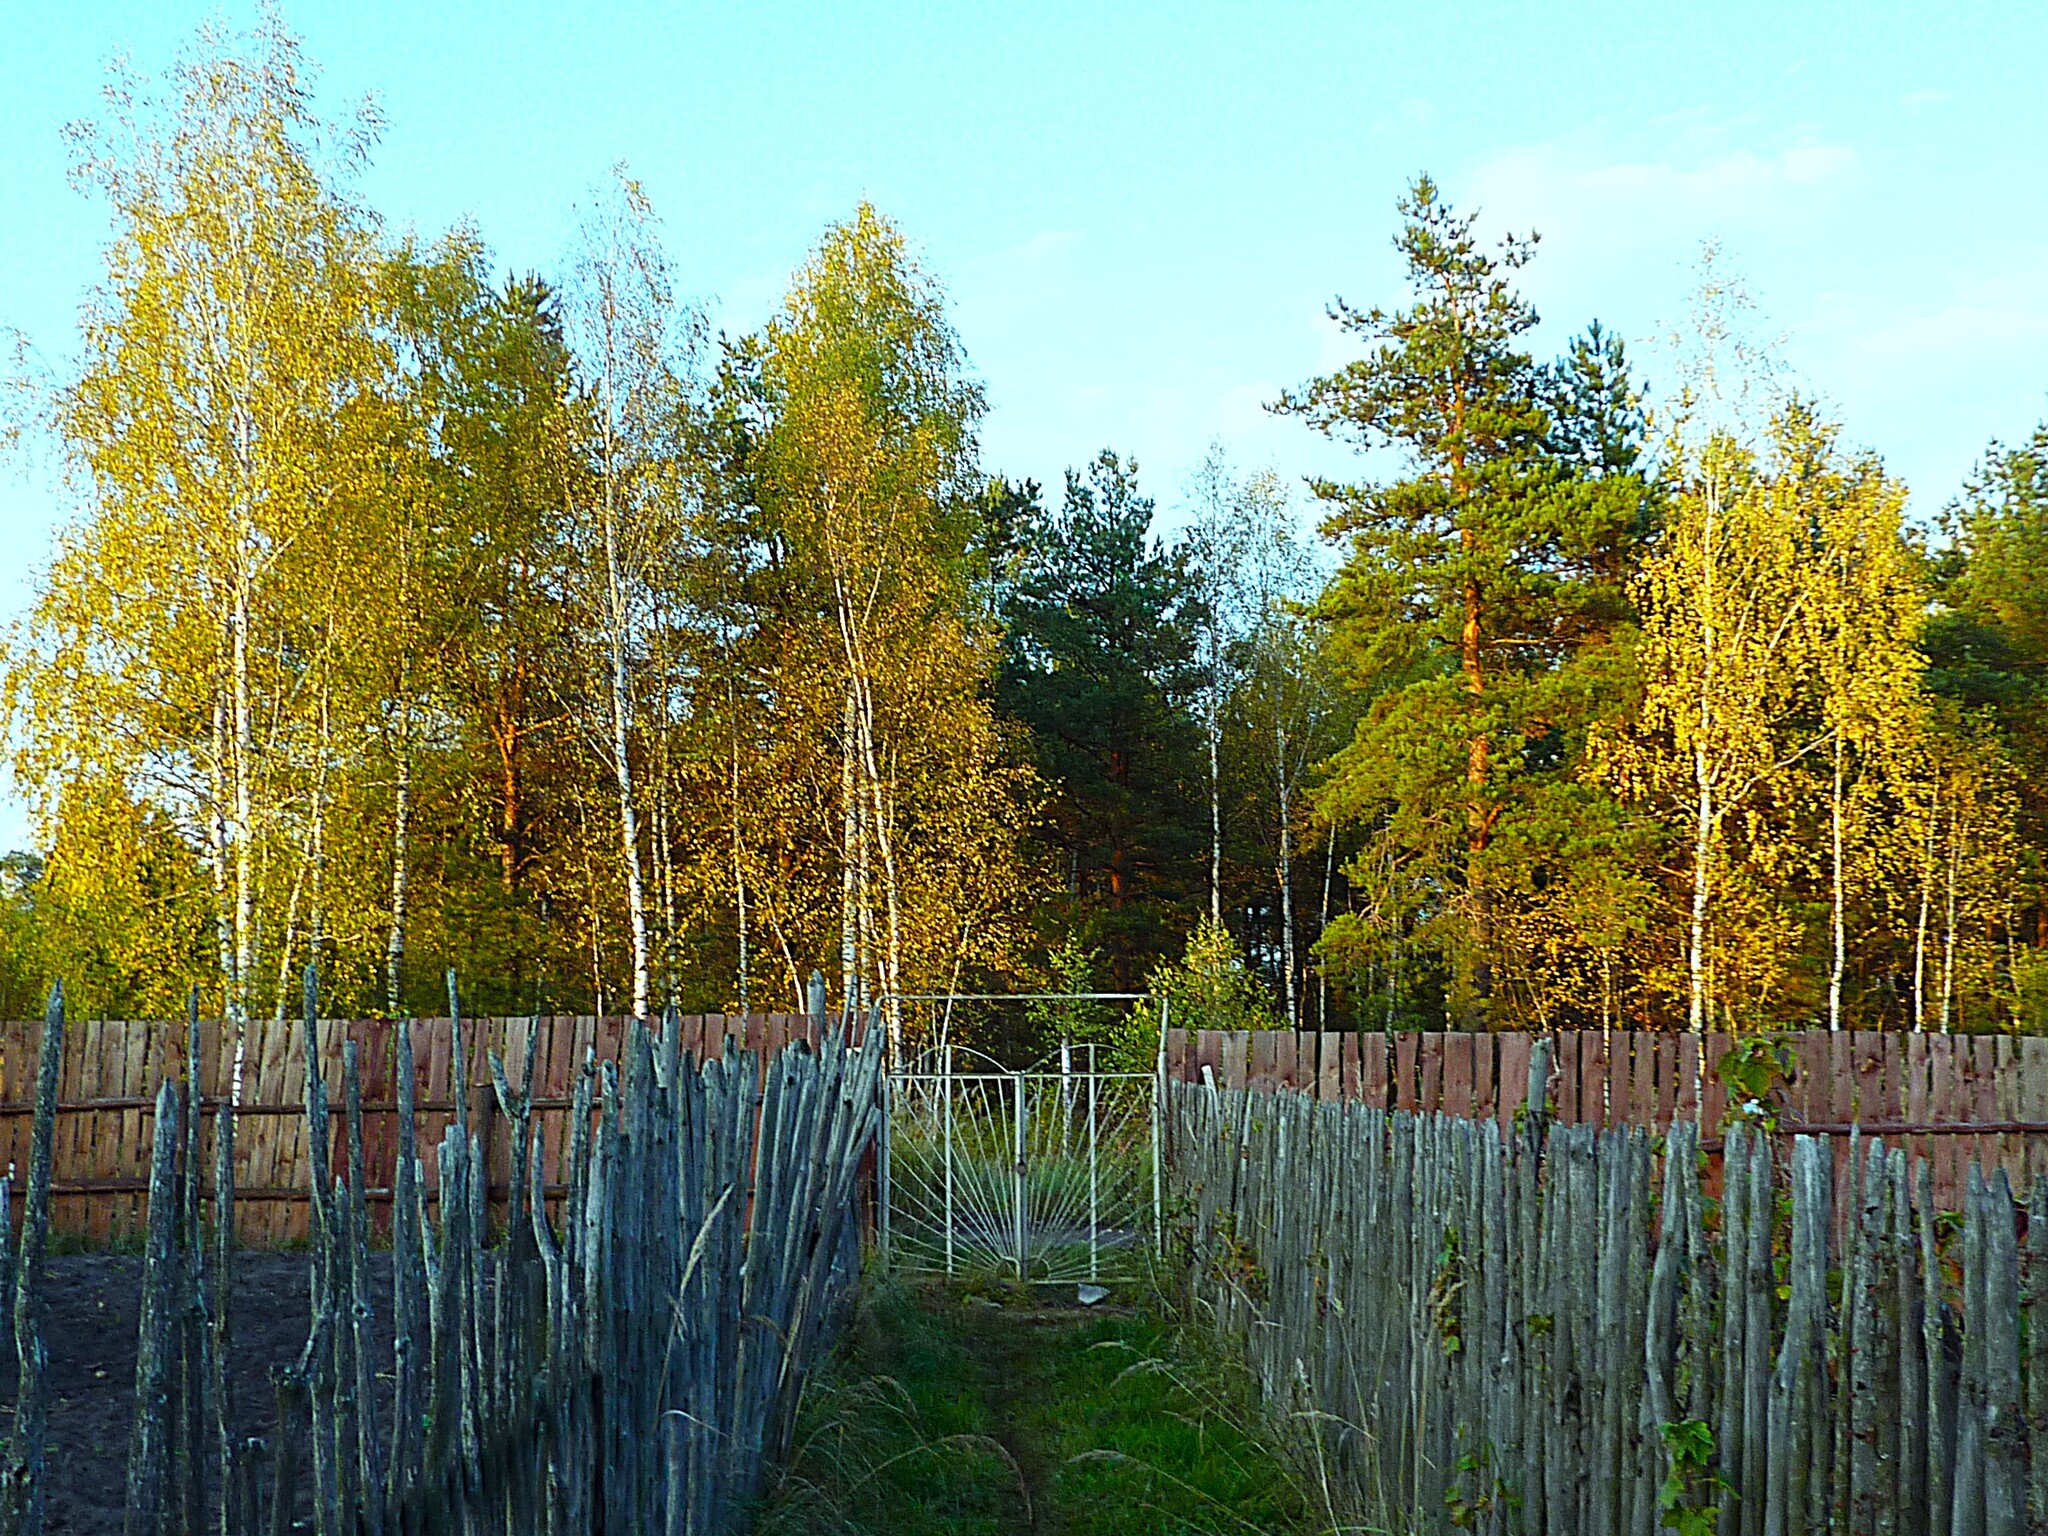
946 1101
1159 1139
883 1193
1536 1104
1094 1244
149 1445
21 1500
188 1456
1017 1179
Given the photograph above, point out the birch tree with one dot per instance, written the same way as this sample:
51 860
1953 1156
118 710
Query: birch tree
222 428
1287 695
631 341
1217 546
1866 612
873 496
1729 704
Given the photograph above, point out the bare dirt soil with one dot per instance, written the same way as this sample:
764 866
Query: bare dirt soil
90 1308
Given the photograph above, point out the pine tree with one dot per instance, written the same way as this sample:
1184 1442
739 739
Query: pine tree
1098 667
1476 587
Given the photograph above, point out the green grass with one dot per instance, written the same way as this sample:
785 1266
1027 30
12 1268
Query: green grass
896 1435
1149 1431
979 1410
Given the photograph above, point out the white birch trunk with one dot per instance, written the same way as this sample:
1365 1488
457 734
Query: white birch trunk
629 843
1215 730
883 838
892 971
863 908
739 872
849 912
1948 938
618 625
1926 900
217 839
622 765
1286 870
316 928
1840 940
663 854
401 864
287 952
242 828
1702 854
1703 779
1323 927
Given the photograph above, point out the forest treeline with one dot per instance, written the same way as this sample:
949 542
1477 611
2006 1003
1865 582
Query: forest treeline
416 615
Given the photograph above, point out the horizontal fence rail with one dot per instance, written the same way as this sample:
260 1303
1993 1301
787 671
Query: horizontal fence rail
1950 1099
112 1070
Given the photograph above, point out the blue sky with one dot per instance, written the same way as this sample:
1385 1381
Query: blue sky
1140 211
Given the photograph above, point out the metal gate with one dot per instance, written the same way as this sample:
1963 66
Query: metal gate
1050 1174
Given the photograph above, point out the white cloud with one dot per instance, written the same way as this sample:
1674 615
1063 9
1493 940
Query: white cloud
1930 378
1927 348
1984 312
1041 258
1577 191
1811 164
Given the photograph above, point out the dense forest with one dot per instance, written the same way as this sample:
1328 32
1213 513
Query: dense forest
417 614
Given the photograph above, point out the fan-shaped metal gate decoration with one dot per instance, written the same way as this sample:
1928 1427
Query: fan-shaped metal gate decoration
1050 1174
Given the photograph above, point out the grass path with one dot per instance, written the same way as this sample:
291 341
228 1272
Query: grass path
995 1415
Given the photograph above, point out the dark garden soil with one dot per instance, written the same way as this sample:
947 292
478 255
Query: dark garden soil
90 1306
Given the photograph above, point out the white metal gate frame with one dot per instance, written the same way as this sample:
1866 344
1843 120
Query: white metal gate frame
897 1077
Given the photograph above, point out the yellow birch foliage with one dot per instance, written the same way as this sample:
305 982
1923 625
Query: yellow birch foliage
223 431
1729 709
878 663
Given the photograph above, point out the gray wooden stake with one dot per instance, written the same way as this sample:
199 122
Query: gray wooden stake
149 1443
2005 1450
21 1499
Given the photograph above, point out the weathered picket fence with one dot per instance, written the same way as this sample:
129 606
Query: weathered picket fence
1552 1328
630 1363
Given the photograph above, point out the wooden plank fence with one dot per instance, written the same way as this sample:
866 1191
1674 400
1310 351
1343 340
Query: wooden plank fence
112 1070
1949 1100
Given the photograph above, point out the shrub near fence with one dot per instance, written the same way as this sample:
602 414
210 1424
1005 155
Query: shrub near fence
1950 1099
631 1366
1551 1329
112 1069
